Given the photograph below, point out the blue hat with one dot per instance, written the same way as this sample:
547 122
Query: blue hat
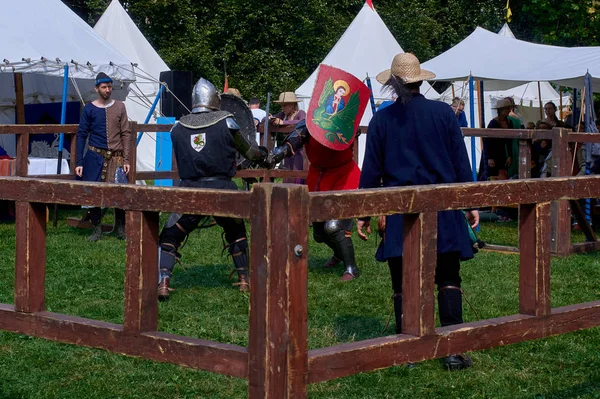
103 78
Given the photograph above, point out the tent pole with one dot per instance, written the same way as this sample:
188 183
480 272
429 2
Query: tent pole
61 140
453 95
540 98
472 105
161 88
560 109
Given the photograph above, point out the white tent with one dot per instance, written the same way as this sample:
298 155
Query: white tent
38 38
117 27
526 96
504 62
366 47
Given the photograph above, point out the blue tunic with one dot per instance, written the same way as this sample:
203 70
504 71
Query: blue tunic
413 144
92 124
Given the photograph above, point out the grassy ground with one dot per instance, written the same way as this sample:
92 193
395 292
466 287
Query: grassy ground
86 279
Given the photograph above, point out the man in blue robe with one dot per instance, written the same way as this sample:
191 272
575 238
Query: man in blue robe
412 142
103 148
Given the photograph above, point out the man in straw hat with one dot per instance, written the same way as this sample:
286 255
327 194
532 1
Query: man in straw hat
417 141
290 115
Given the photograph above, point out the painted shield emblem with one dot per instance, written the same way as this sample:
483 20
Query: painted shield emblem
337 104
197 141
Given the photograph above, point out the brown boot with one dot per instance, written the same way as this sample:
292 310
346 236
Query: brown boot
97 234
331 263
242 283
163 288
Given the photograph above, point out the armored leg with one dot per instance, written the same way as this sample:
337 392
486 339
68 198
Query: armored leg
395 265
321 237
172 235
237 243
447 278
340 232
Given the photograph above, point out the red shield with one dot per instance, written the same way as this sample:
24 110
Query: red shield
337 104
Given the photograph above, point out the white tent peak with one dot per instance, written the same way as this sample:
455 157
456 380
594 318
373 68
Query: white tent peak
505 31
117 27
367 47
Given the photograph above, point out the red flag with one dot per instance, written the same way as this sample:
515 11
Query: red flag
370 4
226 85
337 104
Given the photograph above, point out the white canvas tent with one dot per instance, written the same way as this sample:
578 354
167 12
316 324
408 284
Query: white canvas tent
526 96
366 47
117 27
504 62
38 38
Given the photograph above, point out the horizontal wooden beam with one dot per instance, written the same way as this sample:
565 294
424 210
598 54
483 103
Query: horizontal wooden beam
347 359
53 177
226 203
522 134
441 197
583 137
161 347
150 128
38 129
585 247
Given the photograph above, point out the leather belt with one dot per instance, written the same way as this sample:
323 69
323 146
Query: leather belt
107 155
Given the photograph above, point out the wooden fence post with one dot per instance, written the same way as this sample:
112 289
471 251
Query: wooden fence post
30 260
561 213
278 349
534 270
419 257
524 159
141 274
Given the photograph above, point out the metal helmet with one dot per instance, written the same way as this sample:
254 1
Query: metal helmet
205 97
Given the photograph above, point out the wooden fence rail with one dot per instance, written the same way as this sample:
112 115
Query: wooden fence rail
562 161
277 362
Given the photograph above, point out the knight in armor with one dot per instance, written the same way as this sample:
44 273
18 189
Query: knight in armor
329 170
205 144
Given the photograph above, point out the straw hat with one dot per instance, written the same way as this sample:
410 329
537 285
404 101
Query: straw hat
503 103
407 68
234 91
287 97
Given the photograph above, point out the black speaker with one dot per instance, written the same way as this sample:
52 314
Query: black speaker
179 84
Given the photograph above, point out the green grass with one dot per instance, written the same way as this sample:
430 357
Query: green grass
86 279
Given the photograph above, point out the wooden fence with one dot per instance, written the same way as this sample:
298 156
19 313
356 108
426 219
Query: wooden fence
277 362
561 154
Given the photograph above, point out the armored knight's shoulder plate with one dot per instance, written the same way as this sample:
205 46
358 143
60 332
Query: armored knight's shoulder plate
231 124
203 120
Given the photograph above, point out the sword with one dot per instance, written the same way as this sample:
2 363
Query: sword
266 128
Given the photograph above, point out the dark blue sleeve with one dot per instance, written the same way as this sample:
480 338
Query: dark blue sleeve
458 150
462 120
82 134
372 167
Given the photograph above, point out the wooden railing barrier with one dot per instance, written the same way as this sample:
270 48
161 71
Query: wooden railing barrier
277 362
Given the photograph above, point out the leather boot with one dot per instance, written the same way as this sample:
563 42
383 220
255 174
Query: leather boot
164 286
350 273
243 284
331 263
96 234
119 229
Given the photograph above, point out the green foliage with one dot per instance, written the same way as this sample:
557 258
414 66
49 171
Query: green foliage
275 45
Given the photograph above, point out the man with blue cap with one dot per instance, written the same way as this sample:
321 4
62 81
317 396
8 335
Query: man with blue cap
105 128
